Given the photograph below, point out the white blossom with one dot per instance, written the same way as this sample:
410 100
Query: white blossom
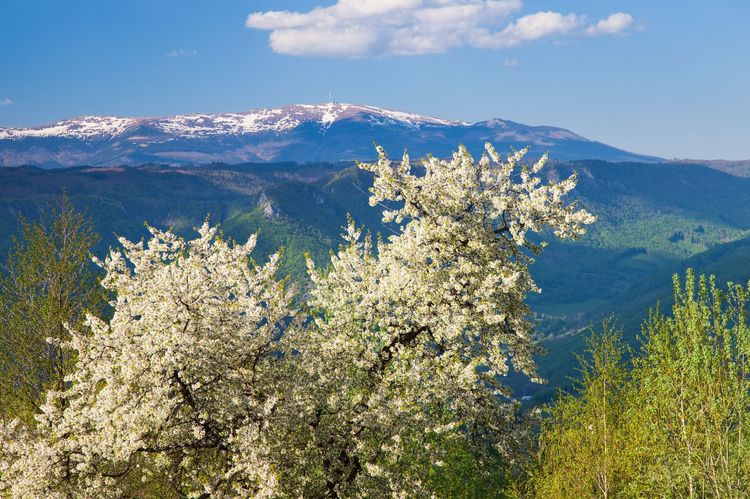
186 367
413 333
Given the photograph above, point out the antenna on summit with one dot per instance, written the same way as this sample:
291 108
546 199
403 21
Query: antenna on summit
330 98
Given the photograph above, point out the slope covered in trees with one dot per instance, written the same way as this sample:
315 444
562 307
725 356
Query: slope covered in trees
652 221
643 210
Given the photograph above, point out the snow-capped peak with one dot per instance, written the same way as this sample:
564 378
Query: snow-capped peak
85 127
333 111
210 124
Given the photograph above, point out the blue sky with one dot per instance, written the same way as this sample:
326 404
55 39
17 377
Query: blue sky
666 77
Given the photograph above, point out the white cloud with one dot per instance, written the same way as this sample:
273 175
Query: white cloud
6 102
181 53
616 23
358 28
511 62
529 28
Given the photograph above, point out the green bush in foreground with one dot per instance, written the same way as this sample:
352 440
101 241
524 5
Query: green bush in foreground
676 425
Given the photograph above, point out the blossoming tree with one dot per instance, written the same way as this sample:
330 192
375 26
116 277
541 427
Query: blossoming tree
411 337
175 389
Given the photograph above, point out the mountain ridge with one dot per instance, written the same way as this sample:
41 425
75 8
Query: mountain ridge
301 132
252 121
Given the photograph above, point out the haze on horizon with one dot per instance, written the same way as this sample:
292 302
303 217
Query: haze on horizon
667 78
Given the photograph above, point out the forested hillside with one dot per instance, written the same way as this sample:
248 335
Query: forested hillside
653 220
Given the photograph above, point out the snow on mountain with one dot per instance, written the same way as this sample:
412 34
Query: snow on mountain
202 124
84 128
303 132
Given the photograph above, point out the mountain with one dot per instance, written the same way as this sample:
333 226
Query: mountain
300 133
739 168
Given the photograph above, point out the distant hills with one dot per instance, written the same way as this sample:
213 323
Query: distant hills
654 219
648 213
300 133
740 168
